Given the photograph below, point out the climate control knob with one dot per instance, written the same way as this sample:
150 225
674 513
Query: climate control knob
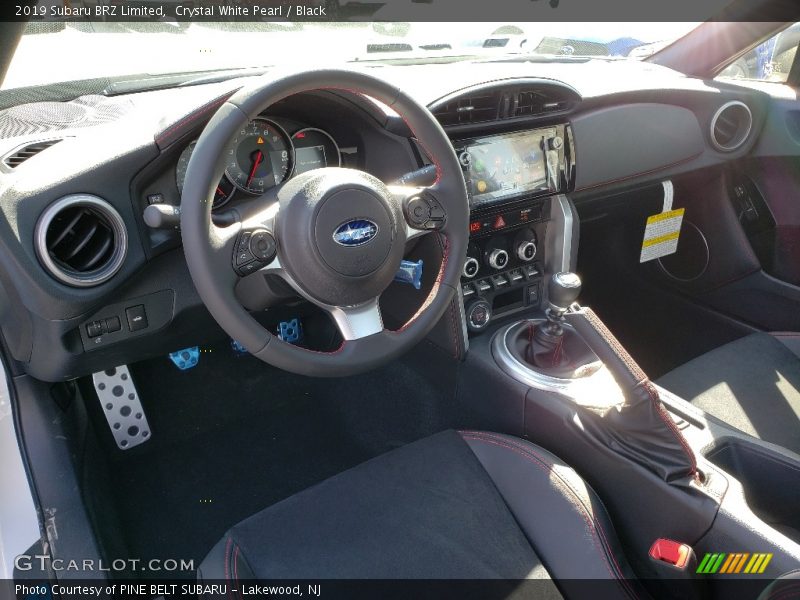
471 267
479 313
498 259
526 250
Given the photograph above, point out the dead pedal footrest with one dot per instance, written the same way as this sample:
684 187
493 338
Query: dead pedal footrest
121 406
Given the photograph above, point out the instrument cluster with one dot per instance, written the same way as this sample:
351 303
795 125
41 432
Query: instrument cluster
263 154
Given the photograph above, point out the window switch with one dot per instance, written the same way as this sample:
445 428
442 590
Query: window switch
137 318
113 324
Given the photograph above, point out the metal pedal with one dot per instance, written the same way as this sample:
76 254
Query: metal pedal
122 407
238 349
185 359
290 331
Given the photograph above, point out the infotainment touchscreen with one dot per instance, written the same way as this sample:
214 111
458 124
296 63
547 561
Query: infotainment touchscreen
504 166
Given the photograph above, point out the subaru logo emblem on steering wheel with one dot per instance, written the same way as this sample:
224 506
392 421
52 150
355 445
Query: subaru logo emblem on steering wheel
356 232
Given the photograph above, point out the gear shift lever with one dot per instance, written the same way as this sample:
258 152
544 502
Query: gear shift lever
545 349
562 291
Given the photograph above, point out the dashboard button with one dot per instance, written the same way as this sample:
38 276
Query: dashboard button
113 324
483 285
530 271
137 317
95 328
479 313
532 294
499 281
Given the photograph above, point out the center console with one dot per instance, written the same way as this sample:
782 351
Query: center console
512 180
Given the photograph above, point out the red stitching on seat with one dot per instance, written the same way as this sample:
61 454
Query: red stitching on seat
594 526
226 560
236 568
786 593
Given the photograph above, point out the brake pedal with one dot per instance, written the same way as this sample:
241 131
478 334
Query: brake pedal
121 406
290 331
185 359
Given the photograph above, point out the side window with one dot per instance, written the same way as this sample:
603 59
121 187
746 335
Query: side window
770 61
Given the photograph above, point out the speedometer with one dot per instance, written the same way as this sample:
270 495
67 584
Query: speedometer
259 157
222 193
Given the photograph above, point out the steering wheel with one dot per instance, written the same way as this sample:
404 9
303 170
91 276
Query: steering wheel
336 236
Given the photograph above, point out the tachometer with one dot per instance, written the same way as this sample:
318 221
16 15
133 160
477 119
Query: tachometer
259 157
314 149
224 190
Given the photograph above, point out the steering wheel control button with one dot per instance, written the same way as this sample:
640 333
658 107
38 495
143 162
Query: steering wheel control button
244 241
249 268
263 246
424 212
417 210
243 257
479 313
137 317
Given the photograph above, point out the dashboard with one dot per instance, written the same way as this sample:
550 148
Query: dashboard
532 140
264 155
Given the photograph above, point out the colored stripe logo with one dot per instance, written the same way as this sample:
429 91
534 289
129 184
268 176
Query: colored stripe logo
734 563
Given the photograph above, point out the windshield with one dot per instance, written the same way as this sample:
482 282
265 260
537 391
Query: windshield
53 52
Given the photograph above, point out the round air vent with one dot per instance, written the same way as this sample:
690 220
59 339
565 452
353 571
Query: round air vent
730 126
81 240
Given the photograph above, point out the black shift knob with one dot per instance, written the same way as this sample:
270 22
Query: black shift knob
563 290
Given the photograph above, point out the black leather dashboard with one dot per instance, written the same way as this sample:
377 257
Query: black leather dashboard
634 123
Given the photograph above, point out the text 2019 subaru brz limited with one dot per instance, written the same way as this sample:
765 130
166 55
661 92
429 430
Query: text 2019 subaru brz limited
336 303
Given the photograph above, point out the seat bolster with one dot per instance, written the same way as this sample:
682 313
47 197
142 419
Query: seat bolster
562 517
225 563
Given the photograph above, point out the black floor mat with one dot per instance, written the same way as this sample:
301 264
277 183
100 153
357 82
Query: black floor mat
233 436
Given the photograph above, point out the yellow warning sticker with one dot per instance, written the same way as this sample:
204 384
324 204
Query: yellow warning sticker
661 234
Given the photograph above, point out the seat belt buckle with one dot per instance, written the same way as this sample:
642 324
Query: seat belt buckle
672 554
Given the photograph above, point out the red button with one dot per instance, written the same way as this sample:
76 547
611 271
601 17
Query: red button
671 552
500 222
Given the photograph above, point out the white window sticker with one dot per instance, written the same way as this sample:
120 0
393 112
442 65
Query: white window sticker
661 234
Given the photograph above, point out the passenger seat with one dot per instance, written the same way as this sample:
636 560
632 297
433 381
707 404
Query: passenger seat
752 384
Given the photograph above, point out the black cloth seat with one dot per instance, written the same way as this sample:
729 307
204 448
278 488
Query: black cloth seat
752 384
457 505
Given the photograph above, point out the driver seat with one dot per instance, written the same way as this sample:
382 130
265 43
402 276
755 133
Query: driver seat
457 505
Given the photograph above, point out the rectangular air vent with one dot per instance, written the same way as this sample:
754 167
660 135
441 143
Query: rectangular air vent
474 108
528 103
20 155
